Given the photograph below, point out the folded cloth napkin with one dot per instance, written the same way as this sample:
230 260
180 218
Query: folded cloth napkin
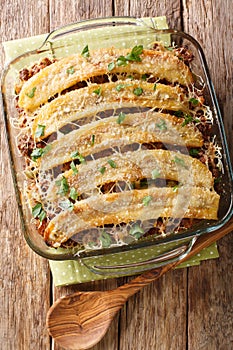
75 271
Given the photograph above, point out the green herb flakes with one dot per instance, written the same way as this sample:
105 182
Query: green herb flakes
85 52
122 61
37 153
38 212
144 77
175 188
180 162
161 125
193 152
66 205
73 193
120 87
134 55
136 231
111 66
97 91
92 140
64 186
155 87
105 239
138 91
189 119
70 70
112 163
146 200
121 118
178 114
39 130
155 174
42 215
77 155
73 167
31 94
194 101
102 170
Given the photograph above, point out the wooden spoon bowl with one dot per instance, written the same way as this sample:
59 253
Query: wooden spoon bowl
79 321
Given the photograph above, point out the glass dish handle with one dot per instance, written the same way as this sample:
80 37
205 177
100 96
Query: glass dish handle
90 24
163 259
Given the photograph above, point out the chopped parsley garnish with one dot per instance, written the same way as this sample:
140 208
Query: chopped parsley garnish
64 186
194 101
193 152
102 170
111 66
130 77
169 48
73 193
122 61
97 91
66 205
161 125
38 212
121 118
155 174
40 130
178 113
146 200
180 162
31 94
85 52
105 239
175 188
144 76
133 56
73 167
70 70
189 119
39 152
77 155
119 87
138 91
92 140
155 86
136 231
112 163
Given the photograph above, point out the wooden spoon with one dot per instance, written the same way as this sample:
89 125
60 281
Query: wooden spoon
79 321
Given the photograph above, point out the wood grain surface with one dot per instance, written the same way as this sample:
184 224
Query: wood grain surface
185 309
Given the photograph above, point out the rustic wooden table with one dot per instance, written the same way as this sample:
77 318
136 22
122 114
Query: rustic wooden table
186 308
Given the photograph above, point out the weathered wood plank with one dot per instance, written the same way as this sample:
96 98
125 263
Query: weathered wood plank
62 13
210 285
210 22
210 301
154 318
150 8
25 277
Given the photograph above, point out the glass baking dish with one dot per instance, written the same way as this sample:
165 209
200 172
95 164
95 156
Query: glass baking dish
122 32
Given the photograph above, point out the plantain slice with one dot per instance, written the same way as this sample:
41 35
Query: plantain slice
70 70
144 127
95 98
134 166
124 207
